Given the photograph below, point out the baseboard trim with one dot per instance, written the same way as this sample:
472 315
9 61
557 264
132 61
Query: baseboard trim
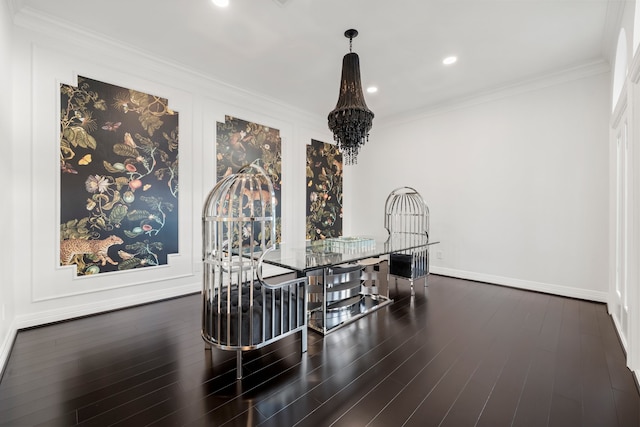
547 288
67 313
623 344
7 346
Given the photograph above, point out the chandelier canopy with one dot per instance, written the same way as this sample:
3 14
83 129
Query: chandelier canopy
351 120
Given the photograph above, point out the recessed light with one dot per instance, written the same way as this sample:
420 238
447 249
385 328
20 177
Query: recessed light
449 60
221 3
372 89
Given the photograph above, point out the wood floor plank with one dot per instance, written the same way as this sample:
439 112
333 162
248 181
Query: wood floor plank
550 332
368 403
598 404
627 408
568 377
565 412
470 403
505 397
535 400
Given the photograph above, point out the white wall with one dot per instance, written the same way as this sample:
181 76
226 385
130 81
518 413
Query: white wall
517 185
7 254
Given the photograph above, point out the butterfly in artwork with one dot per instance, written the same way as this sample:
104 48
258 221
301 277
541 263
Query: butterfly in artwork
112 126
85 160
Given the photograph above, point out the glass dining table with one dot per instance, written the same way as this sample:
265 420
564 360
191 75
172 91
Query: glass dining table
334 268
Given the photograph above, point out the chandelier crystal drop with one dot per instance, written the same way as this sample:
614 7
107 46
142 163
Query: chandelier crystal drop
351 120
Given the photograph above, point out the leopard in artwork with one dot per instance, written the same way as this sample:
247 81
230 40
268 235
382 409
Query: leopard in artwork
71 247
256 195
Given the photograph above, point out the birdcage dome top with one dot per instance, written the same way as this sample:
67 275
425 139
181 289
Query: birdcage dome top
246 194
406 212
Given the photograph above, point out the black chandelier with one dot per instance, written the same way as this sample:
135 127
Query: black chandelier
351 120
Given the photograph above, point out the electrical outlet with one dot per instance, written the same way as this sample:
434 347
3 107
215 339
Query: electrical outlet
439 254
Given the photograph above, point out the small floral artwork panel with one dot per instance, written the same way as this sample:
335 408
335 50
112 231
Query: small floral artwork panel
324 191
119 178
239 143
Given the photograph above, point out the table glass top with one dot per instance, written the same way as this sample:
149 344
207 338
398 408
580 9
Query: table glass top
311 255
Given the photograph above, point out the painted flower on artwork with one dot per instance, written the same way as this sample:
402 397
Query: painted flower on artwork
97 184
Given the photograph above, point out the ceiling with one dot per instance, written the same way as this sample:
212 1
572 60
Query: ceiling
291 50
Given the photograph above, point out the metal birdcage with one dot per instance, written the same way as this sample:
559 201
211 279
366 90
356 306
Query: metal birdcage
240 310
406 218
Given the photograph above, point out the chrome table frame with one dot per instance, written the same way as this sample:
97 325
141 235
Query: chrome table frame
316 258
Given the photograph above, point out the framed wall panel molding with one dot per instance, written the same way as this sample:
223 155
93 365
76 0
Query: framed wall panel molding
50 280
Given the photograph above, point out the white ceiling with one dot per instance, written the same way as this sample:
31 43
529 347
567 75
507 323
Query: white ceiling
293 52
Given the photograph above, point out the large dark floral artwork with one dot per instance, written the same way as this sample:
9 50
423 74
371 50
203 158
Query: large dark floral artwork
119 178
239 143
324 191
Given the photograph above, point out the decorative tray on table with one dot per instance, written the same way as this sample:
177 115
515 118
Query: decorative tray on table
347 245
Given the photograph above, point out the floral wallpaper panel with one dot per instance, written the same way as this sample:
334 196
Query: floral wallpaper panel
119 178
324 191
239 143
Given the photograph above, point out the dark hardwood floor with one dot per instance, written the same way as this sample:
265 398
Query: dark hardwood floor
459 353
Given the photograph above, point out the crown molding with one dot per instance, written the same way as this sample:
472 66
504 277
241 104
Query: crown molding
32 20
552 79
